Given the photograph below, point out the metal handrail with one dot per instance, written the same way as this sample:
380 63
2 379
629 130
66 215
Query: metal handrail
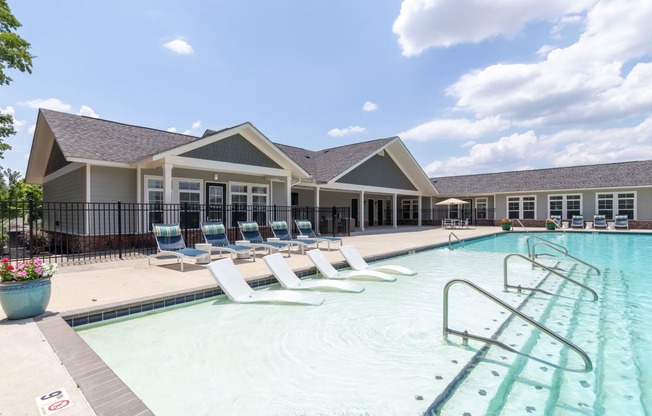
519 221
588 365
529 251
558 225
534 253
550 270
456 237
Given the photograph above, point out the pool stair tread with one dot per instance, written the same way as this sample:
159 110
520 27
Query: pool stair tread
528 383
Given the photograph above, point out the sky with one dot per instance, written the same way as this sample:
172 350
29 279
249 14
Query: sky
470 86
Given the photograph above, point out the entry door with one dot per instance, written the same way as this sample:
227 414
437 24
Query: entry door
468 209
354 210
215 202
370 212
380 212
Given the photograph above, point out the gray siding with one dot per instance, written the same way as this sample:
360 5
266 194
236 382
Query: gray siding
113 184
70 187
379 171
234 149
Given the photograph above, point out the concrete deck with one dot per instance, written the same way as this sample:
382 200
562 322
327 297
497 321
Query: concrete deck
40 355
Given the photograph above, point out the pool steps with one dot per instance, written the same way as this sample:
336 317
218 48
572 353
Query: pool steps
504 383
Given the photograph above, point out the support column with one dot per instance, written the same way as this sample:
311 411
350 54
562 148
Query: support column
316 219
361 210
288 202
394 213
419 213
167 192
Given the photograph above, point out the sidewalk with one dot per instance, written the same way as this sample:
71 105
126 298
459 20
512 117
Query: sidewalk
30 367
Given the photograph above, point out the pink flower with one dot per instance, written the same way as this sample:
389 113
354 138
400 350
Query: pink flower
21 273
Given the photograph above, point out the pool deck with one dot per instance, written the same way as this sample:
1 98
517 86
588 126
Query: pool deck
35 360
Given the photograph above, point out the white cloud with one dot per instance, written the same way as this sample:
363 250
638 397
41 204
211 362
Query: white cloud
569 147
47 103
172 129
348 131
12 112
32 129
369 106
457 129
424 24
196 125
179 46
87 111
585 81
8 110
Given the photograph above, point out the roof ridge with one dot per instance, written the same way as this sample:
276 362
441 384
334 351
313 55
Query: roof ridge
116 122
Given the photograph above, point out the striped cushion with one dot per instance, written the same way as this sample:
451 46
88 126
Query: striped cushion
598 217
304 225
620 217
279 225
213 229
167 230
249 226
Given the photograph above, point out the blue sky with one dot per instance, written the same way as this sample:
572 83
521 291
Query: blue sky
471 86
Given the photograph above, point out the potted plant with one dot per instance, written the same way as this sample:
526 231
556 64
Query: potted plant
506 223
551 224
25 288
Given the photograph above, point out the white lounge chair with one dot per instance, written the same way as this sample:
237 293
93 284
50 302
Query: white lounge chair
236 288
289 280
356 262
328 271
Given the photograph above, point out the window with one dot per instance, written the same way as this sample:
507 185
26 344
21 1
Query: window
623 203
410 209
155 200
565 205
249 202
481 208
521 207
189 203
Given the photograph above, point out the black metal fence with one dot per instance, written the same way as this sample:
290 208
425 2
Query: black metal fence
76 232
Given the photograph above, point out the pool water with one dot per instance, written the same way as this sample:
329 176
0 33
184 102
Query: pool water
381 352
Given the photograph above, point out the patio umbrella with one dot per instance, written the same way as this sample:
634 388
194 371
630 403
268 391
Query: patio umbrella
452 201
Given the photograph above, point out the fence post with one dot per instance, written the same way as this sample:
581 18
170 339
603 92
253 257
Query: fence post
120 230
30 204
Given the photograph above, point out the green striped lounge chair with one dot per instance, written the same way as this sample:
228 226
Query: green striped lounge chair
599 221
251 234
305 231
170 244
215 235
621 221
280 230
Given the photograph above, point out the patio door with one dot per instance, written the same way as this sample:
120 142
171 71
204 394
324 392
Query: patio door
370 212
379 209
215 202
354 210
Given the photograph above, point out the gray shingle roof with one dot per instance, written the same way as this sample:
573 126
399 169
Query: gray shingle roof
326 164
96 139
610 175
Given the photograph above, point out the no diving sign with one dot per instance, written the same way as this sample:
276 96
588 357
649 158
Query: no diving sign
52 402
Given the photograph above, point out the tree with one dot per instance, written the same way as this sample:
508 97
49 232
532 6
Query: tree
14 54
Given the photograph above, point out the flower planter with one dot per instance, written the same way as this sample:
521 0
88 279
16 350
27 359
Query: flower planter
25 299
506 227
551 226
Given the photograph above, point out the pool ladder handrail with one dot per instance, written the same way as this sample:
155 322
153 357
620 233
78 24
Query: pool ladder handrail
519 221
529 250
450 244
589 265
548 269
588 365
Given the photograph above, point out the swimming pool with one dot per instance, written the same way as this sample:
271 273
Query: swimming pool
380 352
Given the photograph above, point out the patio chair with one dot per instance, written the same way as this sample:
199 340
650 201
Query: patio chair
236 288
215 235
621 221
280 230
305 231
169 243
599 221
356 262
577 221
328 271
251 233
289 280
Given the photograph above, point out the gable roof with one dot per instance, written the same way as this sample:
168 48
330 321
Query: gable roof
324 165
86 138
610 175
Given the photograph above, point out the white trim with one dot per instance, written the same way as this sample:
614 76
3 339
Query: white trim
63 171
362 161
615 199
564 204
199 164
101 163
366 188
520 206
